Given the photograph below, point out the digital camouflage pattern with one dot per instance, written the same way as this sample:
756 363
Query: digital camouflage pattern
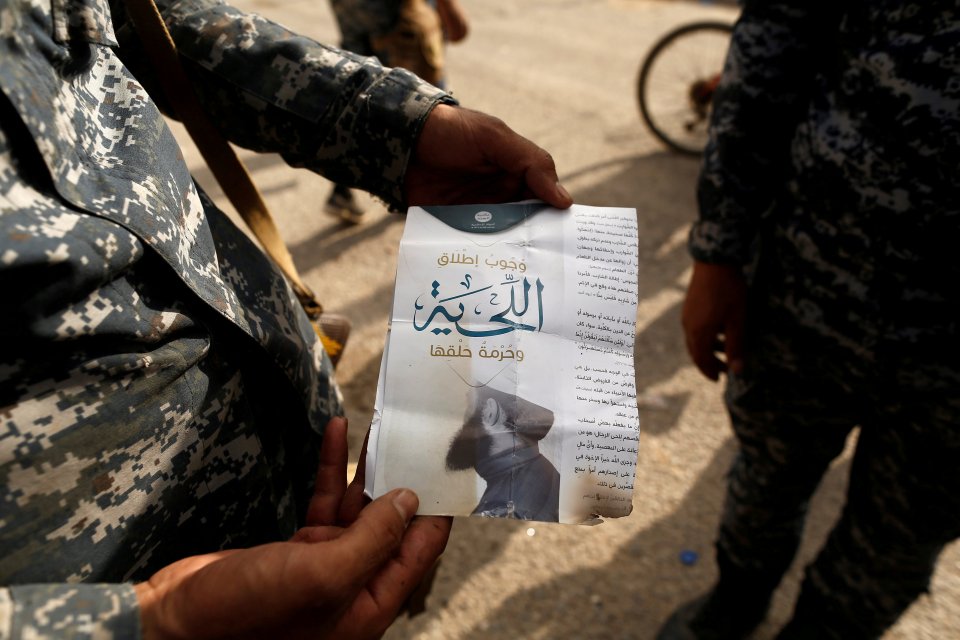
831 175
362 20
161 392
400 33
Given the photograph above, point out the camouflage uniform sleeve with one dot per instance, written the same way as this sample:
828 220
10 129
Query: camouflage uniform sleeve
767 73
270 90
77 611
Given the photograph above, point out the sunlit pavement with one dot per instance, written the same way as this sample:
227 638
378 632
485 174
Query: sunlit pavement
563 73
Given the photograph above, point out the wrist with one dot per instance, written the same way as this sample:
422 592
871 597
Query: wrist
148 603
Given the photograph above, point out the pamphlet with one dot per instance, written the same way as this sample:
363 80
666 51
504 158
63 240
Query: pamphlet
507 381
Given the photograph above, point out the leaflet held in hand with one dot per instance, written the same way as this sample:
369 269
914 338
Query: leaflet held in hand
507 382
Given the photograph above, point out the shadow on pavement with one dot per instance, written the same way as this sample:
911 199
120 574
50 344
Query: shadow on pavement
631 595
639 584
329 244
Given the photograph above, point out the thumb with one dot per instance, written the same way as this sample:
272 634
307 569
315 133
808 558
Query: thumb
520 156
376 534
541 178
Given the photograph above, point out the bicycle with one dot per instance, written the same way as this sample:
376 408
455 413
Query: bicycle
677 81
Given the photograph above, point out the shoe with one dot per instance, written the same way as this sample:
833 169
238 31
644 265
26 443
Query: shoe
715 616
333 331
816 616
342 204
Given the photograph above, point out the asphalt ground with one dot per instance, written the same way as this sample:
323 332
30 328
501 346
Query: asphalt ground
563 73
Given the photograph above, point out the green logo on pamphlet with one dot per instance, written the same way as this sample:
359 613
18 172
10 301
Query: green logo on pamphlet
486 218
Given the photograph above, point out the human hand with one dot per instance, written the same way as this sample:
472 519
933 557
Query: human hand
454 20
714 313
467 157
345 575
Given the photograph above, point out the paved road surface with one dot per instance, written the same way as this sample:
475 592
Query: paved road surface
562 72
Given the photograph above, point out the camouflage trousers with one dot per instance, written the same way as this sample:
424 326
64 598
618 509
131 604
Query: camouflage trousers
801 395
406 34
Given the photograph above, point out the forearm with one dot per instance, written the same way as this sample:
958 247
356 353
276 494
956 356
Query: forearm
270 90
766 83
76 611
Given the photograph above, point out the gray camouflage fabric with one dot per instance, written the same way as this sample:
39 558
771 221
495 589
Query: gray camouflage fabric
400 33
831 175
161 392
361 20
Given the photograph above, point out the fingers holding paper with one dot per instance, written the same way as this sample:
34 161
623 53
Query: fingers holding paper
334 579
334 502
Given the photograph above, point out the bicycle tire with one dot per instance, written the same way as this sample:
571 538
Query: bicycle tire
649 114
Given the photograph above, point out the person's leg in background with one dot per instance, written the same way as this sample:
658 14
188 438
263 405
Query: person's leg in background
903 507
359 21
791 417
415 42
409 35
344 205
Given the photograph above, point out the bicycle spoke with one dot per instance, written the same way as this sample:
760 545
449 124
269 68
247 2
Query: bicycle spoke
677 80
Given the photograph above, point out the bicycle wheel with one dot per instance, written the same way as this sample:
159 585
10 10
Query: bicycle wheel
677 80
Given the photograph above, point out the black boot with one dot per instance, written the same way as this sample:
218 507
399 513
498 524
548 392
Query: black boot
342 204
715 615
816 617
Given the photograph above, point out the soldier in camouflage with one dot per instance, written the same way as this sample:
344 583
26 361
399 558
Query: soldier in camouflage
825 270
403 33
400 33
162 395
